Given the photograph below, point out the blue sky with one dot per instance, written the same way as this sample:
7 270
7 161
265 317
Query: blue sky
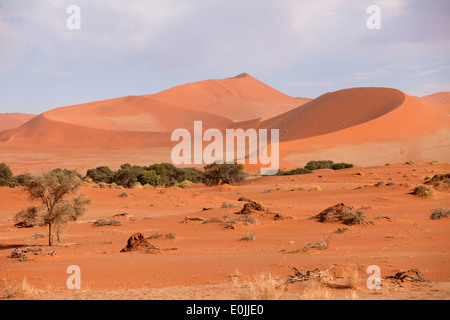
302 48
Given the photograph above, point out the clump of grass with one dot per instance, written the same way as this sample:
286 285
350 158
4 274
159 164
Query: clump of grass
351 277
341 230
439 213
264 287
227 205
317 291
410 162
342 213
24 289
106 222
230 224
248 237
423 191
249 219
155 235
354 218
322 244
185 184
315 188
171 235
124 195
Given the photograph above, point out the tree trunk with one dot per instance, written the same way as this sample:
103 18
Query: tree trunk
50 236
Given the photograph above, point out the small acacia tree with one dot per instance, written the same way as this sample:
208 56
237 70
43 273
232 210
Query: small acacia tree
51 189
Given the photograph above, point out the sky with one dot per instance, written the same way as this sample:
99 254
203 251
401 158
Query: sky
133 47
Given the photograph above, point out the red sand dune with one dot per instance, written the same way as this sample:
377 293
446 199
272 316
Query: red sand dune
149 120
134 113
412 129
365 126
13 120
239 98
440 97
335 111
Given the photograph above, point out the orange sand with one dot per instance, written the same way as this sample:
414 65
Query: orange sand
203 257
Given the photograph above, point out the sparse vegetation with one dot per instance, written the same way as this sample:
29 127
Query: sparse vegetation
106 222
230 224
155 235
227 205
22 290
248 219
264 287
341 230
171 235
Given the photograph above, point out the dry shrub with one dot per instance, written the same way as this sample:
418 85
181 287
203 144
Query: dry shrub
423 191
24 289
351 277
264 287
107 222
249 237
317 291
342 213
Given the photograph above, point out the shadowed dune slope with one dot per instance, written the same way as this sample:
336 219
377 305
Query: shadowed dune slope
335 111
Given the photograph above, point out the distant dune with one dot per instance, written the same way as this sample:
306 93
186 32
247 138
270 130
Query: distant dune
13 120
440 97
365 126
239 98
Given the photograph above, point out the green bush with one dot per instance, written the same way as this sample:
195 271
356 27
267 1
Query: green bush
171 175
6 175
101 174
23 179
341 165
223 173
67 172
127 174
293 172
150 177
320 164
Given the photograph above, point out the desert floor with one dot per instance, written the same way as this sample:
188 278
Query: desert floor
209 261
